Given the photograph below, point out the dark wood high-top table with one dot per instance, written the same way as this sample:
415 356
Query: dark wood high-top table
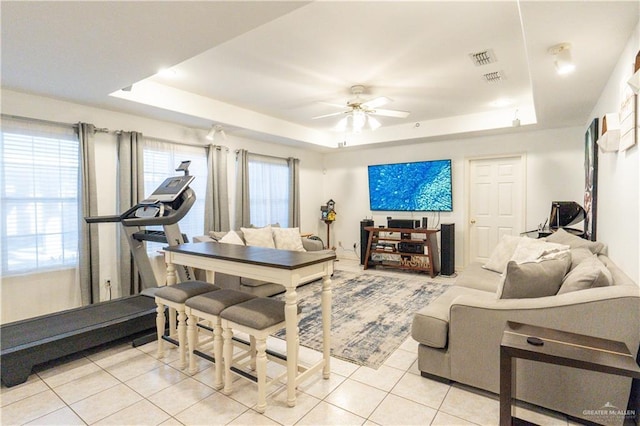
561 348
284 267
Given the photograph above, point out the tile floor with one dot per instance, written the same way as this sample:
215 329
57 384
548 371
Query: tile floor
122 385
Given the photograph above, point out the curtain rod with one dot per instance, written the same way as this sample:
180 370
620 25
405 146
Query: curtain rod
182 143
266 155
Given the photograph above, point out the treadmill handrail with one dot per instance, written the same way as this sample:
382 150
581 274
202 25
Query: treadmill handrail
103 219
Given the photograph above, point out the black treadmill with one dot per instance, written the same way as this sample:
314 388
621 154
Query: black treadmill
26 343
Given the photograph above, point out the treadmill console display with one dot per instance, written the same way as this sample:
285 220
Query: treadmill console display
169 190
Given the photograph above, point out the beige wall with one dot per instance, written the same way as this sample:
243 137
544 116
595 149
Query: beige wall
554 171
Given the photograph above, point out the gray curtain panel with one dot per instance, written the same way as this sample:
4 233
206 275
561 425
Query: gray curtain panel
130 191
242 214
294 192
88 242
216 208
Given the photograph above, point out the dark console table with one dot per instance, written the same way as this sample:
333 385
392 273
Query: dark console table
415 253
561 348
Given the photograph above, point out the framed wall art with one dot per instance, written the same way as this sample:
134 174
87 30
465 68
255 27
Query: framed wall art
591 180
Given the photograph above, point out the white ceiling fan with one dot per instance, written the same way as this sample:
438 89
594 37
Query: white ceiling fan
360 111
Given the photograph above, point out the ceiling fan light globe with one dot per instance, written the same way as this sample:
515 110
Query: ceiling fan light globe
359 120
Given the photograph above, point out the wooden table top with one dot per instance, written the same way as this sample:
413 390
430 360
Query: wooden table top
274 258
570 349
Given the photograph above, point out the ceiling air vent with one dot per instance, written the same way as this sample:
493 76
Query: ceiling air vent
484 57
493 77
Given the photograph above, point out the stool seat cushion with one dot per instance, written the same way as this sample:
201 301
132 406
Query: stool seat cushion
215 302
258 313
180 292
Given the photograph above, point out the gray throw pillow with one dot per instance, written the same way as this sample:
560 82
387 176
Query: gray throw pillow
590 273
578 255
534 279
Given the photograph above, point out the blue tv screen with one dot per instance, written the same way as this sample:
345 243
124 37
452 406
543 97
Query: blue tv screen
423 186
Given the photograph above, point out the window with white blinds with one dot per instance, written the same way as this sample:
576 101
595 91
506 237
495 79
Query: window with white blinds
160 161
39 184
268 190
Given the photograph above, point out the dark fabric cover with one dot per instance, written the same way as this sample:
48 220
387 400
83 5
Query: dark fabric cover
180 292
216 301
258 313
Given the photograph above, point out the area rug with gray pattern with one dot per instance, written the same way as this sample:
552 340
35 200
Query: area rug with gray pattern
371 314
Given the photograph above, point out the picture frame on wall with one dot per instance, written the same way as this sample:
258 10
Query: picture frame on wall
591 180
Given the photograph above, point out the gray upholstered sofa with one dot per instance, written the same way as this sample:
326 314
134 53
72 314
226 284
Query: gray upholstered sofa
280 236
459 333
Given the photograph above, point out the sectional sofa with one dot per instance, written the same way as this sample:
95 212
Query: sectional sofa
575 288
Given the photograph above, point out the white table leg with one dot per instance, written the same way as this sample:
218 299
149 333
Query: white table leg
172 276
326 325
160 322
291 319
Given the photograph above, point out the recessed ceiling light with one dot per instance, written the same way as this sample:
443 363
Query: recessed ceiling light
502 102
168 73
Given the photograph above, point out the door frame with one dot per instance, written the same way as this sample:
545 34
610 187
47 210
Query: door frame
467 201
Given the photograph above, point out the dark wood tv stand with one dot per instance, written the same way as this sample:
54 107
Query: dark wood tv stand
427 261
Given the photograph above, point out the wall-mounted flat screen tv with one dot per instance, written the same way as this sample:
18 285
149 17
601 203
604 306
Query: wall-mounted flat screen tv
423 186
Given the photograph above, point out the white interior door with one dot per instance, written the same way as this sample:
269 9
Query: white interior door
496 199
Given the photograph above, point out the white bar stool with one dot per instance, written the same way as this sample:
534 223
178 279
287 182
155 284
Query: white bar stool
174 297
207 307
258 318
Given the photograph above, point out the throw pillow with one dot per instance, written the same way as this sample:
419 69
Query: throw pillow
538 279
578 255
534 250
563 237
589 273
231 238
502 253
288 239
260 237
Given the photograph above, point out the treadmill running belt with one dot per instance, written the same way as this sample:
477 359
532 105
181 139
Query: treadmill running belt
32 341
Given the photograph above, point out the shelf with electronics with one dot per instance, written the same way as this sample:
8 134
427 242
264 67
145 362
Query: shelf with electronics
413 249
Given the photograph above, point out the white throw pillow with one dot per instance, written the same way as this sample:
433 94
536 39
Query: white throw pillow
260 237
231 238
287 239
532 250
501 255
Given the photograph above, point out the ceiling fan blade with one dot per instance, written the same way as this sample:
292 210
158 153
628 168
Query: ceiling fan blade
342 124
377 102
333 114
390 113
332 104
373 122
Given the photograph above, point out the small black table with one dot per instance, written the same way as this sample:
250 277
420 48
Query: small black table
559 347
